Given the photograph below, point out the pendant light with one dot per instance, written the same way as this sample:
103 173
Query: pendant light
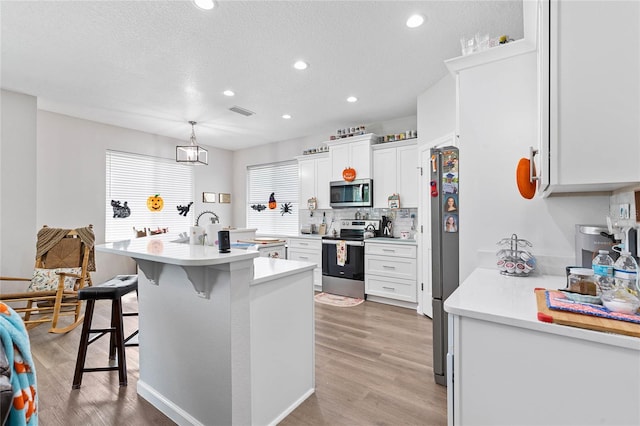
192 153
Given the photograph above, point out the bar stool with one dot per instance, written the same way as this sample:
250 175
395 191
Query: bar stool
112 290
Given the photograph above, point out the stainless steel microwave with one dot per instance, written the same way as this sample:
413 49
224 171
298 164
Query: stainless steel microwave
358 193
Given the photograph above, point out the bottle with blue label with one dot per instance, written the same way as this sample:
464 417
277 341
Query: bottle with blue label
602 266
625 272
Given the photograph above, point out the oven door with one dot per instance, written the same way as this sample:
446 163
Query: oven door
353 267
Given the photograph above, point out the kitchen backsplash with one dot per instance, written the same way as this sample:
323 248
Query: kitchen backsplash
402 219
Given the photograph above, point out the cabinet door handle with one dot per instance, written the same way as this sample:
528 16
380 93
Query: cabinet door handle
388 267
389 250
532 153
303 257
389 288
303 244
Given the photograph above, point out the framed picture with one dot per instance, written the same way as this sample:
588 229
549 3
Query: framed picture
209 197
394 201
225 198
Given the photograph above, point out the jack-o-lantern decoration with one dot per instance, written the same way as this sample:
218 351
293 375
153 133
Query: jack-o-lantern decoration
155 203
272 201
349 174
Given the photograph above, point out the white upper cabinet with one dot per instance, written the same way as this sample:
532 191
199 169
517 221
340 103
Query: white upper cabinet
313 171
590 95
354 152
395 171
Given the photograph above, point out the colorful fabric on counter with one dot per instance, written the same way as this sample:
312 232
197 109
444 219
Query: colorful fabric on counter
15 339
341 252
557 300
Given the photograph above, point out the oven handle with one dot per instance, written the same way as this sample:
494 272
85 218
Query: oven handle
347 242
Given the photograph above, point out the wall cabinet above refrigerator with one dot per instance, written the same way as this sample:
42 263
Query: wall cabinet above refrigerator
589 60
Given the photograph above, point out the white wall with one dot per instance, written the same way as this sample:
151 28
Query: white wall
287 150
18 225
498 123
437 109
71 176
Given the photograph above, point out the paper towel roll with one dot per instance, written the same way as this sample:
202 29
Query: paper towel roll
212 233
195 234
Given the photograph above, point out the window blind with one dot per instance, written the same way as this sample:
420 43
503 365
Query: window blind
134 178
282 180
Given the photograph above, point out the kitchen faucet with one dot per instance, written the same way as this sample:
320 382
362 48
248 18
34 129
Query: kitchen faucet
214 219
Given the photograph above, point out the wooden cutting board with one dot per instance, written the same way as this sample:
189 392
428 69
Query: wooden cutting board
583 321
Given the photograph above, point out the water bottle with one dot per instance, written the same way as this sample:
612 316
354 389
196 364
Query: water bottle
625 272
602 266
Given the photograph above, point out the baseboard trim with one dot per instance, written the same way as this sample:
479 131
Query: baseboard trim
292 407
167 407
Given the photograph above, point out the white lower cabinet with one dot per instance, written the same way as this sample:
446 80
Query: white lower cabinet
308 250
391 271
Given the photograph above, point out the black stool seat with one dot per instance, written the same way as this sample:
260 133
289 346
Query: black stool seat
112 290
115 288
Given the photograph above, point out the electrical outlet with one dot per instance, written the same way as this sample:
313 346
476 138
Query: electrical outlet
624 211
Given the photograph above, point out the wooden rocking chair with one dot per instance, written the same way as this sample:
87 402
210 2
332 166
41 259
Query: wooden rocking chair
63 260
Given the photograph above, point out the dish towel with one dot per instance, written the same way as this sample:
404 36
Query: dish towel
341 252
23 373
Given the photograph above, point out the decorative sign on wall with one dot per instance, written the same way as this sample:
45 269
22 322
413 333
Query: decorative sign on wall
120 211
312 203
155 203
209 197
394 201
184 210
225 198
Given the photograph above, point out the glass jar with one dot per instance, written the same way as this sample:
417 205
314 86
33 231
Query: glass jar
581 280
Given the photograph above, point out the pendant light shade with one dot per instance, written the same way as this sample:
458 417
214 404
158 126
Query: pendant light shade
192 153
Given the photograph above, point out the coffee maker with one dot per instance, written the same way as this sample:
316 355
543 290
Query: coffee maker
387 227
589 239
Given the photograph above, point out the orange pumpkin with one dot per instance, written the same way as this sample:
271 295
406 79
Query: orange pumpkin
349 174
155 203
272 201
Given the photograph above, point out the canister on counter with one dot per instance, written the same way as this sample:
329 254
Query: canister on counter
581 280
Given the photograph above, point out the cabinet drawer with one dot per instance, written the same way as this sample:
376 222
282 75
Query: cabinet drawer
392 288
391 249
304 243
305 256
393 267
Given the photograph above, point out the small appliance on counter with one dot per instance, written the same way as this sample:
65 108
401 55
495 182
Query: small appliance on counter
514 260
387 227
589 239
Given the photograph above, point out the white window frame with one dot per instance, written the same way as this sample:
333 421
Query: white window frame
133 178
282 179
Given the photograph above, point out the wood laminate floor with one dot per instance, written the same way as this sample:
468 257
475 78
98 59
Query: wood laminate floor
373 367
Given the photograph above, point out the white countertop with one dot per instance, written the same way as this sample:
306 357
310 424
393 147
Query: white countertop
387 240
489 296
268 269
163 248
310 236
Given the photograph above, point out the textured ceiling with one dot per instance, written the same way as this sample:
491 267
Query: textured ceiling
154 65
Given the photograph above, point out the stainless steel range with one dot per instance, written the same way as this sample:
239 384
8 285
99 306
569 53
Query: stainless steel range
343 258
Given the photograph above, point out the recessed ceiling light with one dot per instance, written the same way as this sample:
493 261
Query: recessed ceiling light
301 65
286 116
352 99
415 21
228 93
205 4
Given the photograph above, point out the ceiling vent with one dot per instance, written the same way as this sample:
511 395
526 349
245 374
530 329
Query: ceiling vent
242 111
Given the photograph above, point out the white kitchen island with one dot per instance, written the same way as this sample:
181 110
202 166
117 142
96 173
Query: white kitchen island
507 368
225 338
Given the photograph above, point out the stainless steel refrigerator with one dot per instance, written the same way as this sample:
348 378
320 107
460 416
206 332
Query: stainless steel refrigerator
445 222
